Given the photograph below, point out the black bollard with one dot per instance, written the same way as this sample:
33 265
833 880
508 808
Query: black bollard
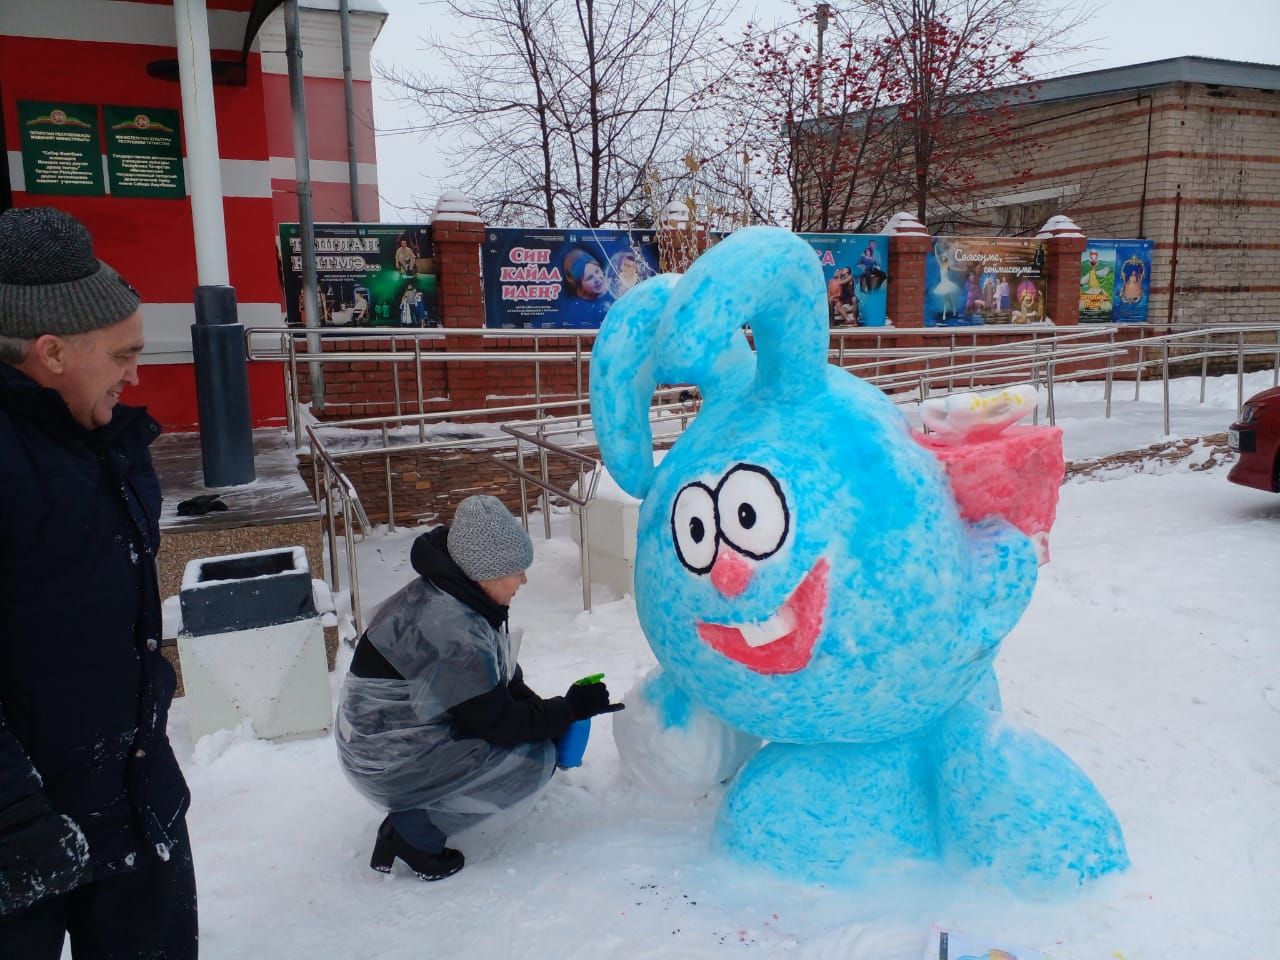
222 389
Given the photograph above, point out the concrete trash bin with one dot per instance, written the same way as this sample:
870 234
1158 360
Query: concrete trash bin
252 645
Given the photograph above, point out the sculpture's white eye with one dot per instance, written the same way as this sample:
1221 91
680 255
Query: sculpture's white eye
693 526
754 519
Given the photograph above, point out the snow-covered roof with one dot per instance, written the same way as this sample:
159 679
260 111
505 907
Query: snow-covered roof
1155 73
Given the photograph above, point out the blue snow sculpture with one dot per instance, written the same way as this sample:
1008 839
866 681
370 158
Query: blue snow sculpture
803 575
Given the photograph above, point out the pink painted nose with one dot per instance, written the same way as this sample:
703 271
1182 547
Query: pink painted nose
731 572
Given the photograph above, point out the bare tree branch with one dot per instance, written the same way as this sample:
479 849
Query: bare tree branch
554 111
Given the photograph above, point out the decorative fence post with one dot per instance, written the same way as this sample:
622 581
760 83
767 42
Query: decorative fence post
909 245
457 233
1066 244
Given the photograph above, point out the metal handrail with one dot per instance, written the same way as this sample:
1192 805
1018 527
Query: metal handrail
1054 341
545 484
324 465
283 335
1015 369
1095 352
485 412
331 460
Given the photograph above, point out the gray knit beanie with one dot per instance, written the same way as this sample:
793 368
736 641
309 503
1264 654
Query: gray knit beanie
486 541
50 281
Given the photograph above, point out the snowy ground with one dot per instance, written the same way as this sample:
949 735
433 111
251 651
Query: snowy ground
1150 653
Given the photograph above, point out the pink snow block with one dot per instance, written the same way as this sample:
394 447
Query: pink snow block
1015 475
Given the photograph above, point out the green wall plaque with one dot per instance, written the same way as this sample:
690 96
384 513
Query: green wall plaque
144 152
60 151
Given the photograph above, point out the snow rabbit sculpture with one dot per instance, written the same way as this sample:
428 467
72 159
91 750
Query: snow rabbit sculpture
804 577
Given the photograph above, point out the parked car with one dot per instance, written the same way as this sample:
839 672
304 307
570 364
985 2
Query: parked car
1256 438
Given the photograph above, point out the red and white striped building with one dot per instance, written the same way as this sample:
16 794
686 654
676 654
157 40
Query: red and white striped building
97 52
326 124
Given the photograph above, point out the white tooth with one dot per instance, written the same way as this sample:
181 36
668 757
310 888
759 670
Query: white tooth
758 634
754 634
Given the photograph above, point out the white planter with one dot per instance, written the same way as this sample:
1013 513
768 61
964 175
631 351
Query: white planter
252 645
275 676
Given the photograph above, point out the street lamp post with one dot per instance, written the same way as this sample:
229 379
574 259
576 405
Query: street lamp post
824 16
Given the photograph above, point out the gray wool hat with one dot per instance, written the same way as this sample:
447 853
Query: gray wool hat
486 541
50 281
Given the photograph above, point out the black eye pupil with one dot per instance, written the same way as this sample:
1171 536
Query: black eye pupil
697 530
746 516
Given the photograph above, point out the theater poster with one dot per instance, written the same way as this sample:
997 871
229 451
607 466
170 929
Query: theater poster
368 275
561 278
856 267
971 281
1115 281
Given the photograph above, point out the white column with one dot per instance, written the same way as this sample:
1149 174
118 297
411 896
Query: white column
200 125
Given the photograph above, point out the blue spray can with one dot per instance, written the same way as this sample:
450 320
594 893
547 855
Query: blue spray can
573 744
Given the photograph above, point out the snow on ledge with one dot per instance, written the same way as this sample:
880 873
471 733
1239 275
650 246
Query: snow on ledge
904 224
191 574
1059 226
453 206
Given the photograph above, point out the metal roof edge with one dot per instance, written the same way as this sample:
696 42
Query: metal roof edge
1153 73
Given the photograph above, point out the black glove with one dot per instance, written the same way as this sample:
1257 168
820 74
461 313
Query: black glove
589 700
200 505
42 854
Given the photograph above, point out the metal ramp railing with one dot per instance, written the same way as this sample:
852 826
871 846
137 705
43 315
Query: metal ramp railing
907 374
327 475
671 418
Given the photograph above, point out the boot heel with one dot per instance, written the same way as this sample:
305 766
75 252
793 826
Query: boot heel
382 860
384 849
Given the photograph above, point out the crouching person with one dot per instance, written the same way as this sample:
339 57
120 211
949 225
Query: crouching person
436 724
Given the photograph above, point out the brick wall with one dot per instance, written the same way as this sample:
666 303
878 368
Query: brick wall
1219 148
363 387
905 306
428 485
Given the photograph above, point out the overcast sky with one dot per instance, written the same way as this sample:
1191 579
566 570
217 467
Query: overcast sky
1123 32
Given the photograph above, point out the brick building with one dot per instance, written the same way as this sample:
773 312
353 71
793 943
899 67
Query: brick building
1184 152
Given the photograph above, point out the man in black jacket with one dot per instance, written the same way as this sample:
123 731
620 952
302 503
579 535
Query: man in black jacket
93 839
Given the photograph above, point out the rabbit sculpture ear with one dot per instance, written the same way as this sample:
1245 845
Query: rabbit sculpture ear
689 330
622 382
764 277
625 370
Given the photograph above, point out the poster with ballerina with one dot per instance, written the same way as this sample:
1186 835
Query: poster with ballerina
978 280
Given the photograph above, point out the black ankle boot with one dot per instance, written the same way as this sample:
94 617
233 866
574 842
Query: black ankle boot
428 866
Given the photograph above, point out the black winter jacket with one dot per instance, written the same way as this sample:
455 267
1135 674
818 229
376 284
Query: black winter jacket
84 692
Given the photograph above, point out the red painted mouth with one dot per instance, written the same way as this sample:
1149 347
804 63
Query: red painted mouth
792 650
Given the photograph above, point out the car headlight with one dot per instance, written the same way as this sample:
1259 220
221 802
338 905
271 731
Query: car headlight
1248 413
